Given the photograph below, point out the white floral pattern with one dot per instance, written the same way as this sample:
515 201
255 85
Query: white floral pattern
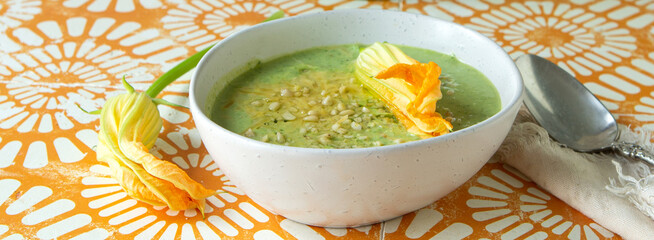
14 12
49 217
50 84
580 41
423 223
121 6
491 194
202 23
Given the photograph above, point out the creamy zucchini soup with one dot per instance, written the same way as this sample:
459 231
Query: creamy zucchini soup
312 99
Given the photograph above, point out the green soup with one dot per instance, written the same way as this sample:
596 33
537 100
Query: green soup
311 99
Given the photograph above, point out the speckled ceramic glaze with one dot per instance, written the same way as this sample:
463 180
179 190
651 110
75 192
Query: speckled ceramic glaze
351 187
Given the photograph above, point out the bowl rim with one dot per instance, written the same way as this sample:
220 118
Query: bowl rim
513 70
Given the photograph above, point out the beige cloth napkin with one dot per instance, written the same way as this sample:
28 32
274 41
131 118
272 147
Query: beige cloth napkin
615 192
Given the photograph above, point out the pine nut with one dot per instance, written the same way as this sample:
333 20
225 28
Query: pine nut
274 106
310 118
327 101
346 112
288 116
286 93
249 133
340 106
355 126
280 138
342 89
324 139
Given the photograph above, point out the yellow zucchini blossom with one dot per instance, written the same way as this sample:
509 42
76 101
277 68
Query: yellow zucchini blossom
409 88
129 125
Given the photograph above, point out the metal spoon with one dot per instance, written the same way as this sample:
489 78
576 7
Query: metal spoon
570 113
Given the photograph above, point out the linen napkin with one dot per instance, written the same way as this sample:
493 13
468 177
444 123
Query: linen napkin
615 192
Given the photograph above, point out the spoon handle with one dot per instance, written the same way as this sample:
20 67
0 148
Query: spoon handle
634 151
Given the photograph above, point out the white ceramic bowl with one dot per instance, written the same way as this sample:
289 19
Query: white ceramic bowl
351 187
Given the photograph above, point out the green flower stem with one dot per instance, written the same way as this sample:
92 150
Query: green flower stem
176 72
188 64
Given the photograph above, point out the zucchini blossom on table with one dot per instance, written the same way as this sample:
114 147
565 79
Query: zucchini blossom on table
409 88
129 125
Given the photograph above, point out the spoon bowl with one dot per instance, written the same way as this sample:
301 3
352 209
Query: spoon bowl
569 112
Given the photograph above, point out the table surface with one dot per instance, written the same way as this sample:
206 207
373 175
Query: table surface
55 54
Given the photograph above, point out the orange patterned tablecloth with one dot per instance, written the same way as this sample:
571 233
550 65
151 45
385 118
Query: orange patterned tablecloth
55 54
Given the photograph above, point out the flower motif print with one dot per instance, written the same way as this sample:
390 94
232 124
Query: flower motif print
50 80
490 196
576 39
14 12
46 215
201 23
120 6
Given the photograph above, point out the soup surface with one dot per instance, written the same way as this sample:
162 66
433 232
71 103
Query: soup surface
311 99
